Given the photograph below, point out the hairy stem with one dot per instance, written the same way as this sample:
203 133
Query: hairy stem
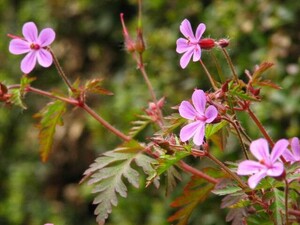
212 82
197 173
228 59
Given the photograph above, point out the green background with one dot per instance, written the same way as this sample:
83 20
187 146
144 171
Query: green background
89 45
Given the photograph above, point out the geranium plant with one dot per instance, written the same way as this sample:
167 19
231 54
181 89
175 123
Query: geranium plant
262 187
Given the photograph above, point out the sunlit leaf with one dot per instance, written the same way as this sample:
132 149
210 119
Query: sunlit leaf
51 116
108 172
95 86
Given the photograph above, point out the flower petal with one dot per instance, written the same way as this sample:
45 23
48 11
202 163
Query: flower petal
187 111
199 101
197 53
44 58
186 57
295 144
279 147
200 30
186 29
46 37
288 156
254 179
182 45
188 131
260 149
276 170
18 46
248 167
30 32
28 62
199 134
211 113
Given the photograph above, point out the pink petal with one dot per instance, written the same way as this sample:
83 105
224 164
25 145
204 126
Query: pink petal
295 144
44 57
19 46
186 57
187 111
46 37
188 131
279 147
276 170
197 53
288 156
260 149
186 29
182 45
254 179
28 62
248 167
199 101
211 113
199 134
200 30
30 32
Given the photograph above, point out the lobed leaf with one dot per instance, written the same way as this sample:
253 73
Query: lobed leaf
51 116
108 172
139 125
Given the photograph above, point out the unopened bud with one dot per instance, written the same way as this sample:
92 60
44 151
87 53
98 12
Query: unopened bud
223 43
128 42
207 43
139 43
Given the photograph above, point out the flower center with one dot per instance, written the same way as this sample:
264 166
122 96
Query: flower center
34 46
200 117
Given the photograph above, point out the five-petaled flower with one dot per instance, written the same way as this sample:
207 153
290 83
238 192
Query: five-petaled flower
34 45
190 45
293 156
199 114
267 165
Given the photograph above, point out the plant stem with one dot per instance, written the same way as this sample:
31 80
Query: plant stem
60 70
260 127
197 173
228 59
286 191
104 123
212 82
228 171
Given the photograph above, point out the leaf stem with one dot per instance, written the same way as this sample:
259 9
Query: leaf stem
197 173
212 82
260 127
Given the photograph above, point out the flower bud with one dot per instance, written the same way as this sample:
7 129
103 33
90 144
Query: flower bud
207 43
128 42
139 43
223 43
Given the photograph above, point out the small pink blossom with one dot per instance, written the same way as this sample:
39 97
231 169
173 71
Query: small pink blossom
267 165
34 45
293 156
199 114
189 45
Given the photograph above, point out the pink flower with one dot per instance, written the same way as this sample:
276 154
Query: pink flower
267 165
199 115
34 45
189 45
293 156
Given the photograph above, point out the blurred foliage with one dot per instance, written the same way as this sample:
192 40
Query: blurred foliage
89 45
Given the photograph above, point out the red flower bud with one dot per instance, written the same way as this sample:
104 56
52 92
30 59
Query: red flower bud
207 43
223 43
139 43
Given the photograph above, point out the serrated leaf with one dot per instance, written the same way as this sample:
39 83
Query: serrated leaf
51 116
211 129
108 172
261 69
235 90
278 206
195 192
94 86
139 125
16 98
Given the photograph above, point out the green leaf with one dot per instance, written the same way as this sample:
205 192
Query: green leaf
211 129
139 125
236 91
16 98
278 206
195 192
94 86
51 116
108 171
